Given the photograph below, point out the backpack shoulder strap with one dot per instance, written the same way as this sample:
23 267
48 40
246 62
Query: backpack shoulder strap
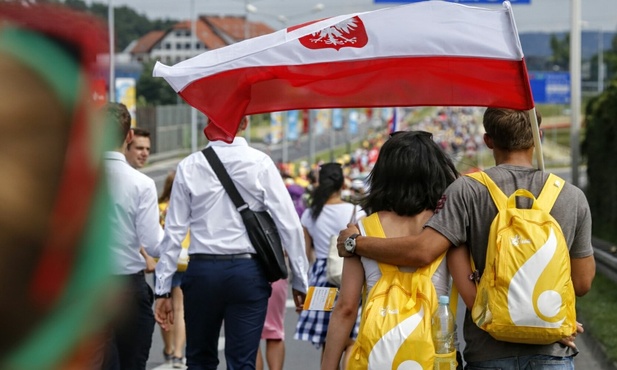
550 192
372 227
499 198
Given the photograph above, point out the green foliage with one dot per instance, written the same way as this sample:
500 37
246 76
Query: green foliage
561 52
128 24
597 311
600 148
154 90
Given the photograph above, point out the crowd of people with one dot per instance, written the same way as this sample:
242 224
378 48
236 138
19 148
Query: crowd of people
79 243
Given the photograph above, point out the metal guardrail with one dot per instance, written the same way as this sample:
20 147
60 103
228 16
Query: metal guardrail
606 262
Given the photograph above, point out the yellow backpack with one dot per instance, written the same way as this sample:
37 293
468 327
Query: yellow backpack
525 294
395 331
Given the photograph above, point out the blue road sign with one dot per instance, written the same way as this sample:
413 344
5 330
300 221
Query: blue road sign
513 2
550 87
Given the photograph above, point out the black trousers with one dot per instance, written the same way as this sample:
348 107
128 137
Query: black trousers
128 345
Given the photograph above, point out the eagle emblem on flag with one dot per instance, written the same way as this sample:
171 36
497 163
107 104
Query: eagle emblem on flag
348 33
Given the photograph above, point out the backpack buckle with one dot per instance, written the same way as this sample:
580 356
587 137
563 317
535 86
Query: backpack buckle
474 276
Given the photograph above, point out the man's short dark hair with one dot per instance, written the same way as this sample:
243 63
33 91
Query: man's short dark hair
119 116
139 132
510 129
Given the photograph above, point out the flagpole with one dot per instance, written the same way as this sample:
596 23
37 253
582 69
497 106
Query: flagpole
535 129
285 154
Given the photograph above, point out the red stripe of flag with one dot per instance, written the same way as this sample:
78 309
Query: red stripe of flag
384 82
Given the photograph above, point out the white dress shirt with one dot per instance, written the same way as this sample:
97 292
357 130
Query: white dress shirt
200 203
135 214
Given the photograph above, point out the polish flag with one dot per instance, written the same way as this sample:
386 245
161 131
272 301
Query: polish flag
431 53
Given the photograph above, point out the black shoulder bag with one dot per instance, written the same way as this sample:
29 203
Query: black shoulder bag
259 225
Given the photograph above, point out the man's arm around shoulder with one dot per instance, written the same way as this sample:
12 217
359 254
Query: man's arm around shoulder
416 251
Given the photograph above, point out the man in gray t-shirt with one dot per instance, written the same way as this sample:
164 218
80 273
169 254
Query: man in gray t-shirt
465 216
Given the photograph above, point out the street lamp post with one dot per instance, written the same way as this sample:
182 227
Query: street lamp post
112 47
193 50
575 88
600 60
250 8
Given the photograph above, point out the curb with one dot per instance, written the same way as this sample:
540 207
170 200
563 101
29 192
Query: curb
596 349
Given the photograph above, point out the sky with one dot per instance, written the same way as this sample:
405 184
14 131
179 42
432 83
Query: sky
540 15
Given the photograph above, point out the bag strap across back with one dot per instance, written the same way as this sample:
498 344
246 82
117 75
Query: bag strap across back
546 199
224 178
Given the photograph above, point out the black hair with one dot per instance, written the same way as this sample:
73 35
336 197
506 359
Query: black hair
330 181
410 175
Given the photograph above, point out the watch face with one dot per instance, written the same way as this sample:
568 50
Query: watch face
349 244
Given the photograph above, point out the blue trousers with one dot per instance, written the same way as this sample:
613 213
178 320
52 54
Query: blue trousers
535 362
232 291
128 346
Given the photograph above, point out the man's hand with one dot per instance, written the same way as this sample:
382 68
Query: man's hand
299 298
569 341
150 262
164 313
342 236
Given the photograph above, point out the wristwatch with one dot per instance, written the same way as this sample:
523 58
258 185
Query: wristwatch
350 243
165 295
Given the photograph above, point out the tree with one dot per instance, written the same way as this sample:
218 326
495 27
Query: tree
561 52
154 90
600 148
128 24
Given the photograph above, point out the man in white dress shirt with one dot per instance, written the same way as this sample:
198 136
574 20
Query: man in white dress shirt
225 281
135 223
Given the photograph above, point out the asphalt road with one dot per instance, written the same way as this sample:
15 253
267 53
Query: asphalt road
303 356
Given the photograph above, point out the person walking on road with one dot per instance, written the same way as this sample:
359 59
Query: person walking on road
406 183
175 338
137 153
464 216
326 216
135 224
225 282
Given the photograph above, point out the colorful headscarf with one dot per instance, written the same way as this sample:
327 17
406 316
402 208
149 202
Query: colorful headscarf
61 47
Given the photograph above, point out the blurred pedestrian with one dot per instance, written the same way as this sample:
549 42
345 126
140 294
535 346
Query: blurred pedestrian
53 227
174 339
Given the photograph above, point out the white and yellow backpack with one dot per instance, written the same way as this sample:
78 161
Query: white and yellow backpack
525 294
395 331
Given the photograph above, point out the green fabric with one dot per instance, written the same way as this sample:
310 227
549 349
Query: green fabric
80 309
48 59
78 312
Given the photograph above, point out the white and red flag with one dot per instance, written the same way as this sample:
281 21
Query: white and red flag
421 54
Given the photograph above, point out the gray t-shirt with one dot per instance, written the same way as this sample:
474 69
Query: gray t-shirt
465 218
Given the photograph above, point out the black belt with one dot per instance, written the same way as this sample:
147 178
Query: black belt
136 275
221 257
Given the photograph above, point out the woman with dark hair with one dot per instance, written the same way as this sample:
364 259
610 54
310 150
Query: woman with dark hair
326 216
405 187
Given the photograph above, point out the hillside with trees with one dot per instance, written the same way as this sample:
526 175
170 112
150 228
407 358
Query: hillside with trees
128 24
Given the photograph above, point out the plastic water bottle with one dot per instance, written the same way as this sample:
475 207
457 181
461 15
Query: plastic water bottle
444 325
